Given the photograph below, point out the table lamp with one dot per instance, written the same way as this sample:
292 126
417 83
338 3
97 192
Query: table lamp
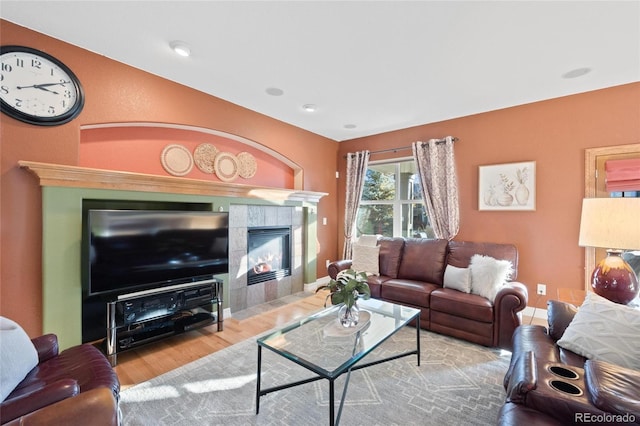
612 224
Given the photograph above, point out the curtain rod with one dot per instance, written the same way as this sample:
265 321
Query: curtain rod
404 148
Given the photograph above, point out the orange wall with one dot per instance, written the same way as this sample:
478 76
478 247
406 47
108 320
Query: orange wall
555 134
139 149
116 93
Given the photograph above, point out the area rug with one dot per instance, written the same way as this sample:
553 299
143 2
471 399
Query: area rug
456 383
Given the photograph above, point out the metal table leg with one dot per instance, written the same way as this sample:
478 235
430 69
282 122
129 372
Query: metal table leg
258 379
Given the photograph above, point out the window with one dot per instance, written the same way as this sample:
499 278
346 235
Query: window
391 203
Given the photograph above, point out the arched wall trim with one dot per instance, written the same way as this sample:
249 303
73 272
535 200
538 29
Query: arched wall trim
298 181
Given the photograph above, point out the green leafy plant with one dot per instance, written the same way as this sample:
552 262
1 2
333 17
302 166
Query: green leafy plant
348 286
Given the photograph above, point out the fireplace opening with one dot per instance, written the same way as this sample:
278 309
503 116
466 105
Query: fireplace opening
269 254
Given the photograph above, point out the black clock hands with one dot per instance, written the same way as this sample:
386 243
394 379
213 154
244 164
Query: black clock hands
44 86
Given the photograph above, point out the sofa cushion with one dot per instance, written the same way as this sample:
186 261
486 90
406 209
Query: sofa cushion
457 278
606 331
17 357
612 388
488 275
461 252
390 255
424 260
414 293
365 259
559 316
462 305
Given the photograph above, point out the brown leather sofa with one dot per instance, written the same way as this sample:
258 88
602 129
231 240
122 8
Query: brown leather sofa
412 273
76 386
549 385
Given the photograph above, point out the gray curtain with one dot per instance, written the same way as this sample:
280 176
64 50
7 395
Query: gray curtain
436 167
356 169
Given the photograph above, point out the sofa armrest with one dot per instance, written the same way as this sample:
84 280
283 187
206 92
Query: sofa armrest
337 266
524 377
47 346
510 300
31 401
96 406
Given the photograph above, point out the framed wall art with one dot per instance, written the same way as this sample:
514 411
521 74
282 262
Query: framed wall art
510 186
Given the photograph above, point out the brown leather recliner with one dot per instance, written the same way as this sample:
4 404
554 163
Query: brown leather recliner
549 385
76 386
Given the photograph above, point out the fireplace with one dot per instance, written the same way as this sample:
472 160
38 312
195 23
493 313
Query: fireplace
268 254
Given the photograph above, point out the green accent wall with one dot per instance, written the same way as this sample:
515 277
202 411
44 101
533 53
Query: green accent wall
62 243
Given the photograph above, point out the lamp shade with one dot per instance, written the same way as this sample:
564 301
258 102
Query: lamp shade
612 223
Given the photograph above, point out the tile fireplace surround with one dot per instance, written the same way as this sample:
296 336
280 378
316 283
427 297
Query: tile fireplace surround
242 217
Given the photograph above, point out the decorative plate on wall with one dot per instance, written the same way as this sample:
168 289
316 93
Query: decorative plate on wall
226 166
176 159
247 166
204 156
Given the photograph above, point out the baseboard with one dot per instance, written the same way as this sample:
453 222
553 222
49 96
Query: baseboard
535 312
312 287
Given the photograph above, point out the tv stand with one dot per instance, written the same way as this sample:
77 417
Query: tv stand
139 318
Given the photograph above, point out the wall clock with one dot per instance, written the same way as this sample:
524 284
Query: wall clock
37 88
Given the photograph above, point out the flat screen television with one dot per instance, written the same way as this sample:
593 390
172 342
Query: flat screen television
134 250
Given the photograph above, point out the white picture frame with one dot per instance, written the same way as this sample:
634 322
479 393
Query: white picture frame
509 186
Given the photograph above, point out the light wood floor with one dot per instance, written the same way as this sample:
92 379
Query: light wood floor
144 363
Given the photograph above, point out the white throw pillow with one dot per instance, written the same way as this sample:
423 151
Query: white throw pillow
368 240
365 259
18 356
488 275
457 278
606 331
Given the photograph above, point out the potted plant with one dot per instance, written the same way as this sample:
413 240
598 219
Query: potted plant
348 286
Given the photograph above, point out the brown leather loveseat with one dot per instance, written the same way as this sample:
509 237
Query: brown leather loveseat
411 273
76 386
547 384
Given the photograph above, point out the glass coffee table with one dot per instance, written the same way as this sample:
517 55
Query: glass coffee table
320 344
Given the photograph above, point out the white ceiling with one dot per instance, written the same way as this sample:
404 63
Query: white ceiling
379 65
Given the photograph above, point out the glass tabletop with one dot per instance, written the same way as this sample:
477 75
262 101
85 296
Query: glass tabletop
322 345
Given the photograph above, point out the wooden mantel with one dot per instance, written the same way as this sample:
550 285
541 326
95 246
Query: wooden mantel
84 177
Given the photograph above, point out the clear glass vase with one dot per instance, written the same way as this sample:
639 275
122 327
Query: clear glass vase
349 315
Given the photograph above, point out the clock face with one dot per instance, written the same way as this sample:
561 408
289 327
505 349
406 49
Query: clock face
37 88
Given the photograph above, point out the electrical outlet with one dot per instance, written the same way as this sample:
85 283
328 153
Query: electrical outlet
327 262
542 289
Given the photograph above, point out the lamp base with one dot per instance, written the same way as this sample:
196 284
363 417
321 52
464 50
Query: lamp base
614 279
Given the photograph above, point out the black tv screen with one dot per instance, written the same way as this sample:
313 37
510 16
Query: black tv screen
134 250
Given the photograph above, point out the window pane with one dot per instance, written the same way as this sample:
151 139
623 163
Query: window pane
414 222
375 219
380 183
409 181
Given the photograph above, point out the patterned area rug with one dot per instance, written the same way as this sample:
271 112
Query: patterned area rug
457 383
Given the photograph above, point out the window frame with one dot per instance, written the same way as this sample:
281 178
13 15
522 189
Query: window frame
398 203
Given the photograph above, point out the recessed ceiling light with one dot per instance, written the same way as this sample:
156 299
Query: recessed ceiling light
274 91
310 107
180 48
578 72
350 126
